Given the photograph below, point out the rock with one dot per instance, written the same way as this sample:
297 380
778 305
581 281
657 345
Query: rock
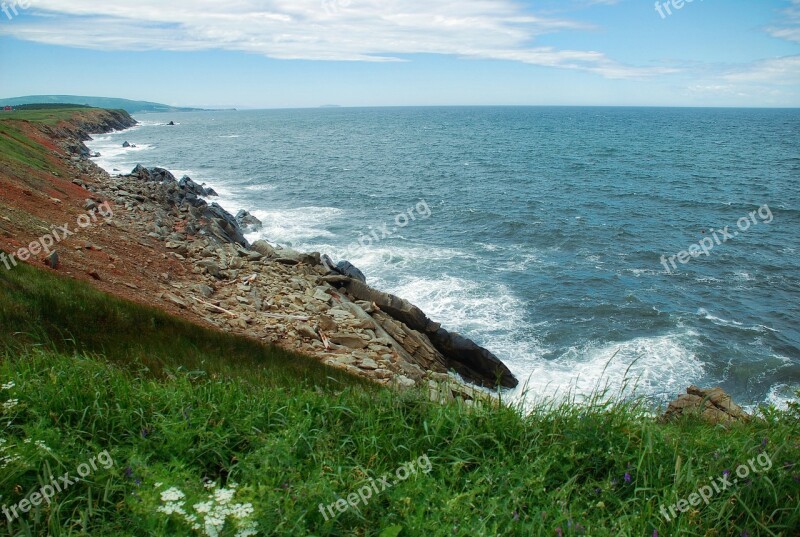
152 174
126 144
351 341
321 294
713 406
211 268
306 331
175 300
205 290
223 226
312 259
327 324
405 382
345 268
52 260
369 364
186 183
171 124
248 222
94 275
264 248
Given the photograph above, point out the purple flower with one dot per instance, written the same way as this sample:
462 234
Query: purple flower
655 533
559 532
516 516
726 473
627 477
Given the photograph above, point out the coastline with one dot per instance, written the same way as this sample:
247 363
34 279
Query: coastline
291 299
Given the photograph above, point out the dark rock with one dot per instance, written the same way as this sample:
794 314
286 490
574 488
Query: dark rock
126 144
345 268
187 184
171 123
210 192
152 174
248 222
223 225
52 260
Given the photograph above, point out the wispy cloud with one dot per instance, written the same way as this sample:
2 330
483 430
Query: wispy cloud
789 27
339 30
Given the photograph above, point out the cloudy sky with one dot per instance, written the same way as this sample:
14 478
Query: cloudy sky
297 53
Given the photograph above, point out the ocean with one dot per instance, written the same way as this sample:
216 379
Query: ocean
639 250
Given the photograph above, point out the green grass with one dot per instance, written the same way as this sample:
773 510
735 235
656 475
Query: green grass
48 116
18 149
174 404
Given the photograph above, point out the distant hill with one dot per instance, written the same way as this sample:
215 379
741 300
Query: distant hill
132 107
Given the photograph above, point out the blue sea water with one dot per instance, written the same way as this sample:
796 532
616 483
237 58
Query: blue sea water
538 232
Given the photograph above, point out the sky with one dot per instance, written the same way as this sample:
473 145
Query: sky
308 53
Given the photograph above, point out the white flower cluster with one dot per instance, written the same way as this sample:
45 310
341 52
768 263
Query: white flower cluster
11 403
5 460
211 515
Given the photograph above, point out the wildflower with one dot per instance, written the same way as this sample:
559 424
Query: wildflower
158 485
172 495
7 386
726 473
627 477
10 404
203 507
41 445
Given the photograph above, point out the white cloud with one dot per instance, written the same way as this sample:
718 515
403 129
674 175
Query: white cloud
789 28
785 70
341 30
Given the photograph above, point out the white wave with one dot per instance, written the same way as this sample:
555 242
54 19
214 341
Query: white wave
648 366
719 321
781 395
295 227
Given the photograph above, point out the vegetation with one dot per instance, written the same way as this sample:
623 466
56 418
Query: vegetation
177 407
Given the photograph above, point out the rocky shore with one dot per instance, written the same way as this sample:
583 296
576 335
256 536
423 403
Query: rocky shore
300 301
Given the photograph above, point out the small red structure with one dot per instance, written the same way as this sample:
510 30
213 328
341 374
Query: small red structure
8 109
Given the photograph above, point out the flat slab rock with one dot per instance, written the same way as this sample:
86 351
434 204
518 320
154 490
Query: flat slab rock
713 406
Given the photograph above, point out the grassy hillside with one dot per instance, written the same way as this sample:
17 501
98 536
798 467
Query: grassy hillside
132 107
166 408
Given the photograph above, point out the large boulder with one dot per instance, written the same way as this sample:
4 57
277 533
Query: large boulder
152 174
345 268
186 183
713 406
264 248
223 226
248 222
